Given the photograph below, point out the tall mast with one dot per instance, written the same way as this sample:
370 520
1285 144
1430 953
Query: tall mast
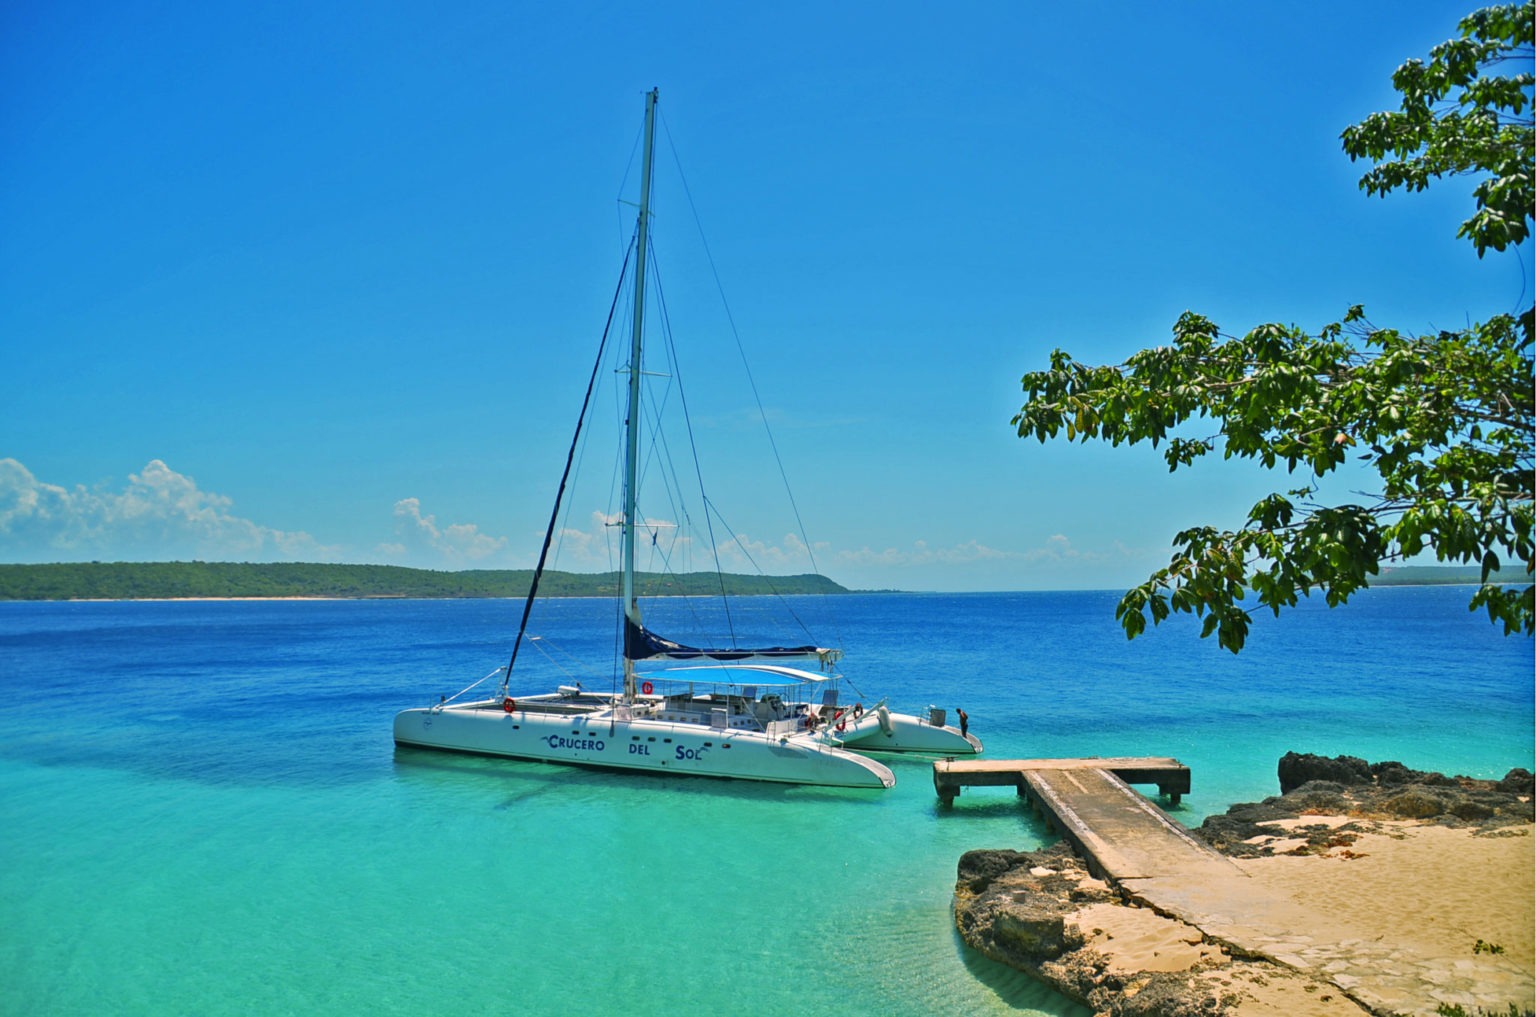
632 419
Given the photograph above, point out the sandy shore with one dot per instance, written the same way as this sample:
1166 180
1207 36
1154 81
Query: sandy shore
1405 894
1437 889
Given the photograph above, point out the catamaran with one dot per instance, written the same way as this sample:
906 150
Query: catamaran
728 711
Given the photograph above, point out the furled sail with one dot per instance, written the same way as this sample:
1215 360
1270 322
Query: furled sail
640 643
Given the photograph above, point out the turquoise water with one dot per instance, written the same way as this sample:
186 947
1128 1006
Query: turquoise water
204 814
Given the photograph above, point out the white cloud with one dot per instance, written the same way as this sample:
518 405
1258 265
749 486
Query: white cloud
454 545
662 545
594 549
1055 563
743 554
1057 549
659 545
161 514
921 554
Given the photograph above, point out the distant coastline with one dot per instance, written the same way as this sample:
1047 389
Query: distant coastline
196 580
309 581
1438 575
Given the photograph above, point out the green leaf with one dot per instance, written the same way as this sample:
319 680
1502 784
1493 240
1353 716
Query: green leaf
1443 421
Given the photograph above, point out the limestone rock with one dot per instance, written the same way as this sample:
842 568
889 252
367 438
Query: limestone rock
1297 769
1518 781
1349 786
1014 915
1021 908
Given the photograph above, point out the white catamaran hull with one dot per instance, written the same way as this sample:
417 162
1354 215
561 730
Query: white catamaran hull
603 739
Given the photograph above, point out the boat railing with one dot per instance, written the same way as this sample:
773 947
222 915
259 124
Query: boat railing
564 709
768 715
444 701
729 713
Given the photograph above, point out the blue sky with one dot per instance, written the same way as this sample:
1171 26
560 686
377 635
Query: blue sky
322 281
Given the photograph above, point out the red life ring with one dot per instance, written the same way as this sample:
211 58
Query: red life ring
509 704
842 725
646 687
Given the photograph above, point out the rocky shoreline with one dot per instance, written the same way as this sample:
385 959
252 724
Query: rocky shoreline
1041 911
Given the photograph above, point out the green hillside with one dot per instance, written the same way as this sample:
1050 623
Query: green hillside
170 580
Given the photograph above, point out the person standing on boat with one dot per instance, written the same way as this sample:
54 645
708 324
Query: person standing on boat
965 721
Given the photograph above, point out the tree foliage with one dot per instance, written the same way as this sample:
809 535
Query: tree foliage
1455 118
1445 420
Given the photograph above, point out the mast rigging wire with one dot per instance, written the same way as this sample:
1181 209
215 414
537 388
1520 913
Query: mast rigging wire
554 516
741 351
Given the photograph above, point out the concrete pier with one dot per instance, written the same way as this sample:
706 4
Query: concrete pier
1156 863
1116 831
950 775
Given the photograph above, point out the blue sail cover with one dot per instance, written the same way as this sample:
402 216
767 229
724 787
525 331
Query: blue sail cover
641 643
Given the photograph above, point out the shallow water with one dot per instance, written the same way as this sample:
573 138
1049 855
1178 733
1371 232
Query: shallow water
204 813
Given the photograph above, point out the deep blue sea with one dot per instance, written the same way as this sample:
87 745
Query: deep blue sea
203 811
